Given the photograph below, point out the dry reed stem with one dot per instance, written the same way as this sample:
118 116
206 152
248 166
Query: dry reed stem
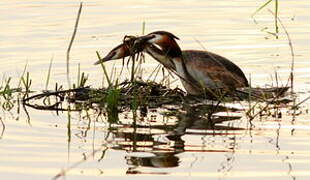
3 128
71 42
291 78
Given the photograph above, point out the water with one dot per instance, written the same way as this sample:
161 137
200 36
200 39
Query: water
36 31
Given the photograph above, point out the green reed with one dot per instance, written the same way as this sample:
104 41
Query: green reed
6 90
49 73
71 42
112 100
26 82
81 79
104 70
6 93
276 10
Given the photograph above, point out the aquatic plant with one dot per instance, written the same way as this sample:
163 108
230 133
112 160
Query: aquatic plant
71 42
49 73
276 10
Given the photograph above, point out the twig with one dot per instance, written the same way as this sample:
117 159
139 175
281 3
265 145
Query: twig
71 42
53 93
266 106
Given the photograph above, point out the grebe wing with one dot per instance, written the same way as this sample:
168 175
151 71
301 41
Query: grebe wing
213 70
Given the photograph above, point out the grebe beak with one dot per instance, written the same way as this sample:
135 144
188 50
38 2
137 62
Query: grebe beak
108 57
121 51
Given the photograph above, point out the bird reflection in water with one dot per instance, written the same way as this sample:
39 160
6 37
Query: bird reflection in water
158 160
159 143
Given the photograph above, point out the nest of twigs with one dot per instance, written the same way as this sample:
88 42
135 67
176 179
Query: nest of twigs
129 95
123 96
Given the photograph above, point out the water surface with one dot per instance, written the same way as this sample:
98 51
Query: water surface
33 32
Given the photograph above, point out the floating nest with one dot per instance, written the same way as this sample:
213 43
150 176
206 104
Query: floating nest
130 95
124 96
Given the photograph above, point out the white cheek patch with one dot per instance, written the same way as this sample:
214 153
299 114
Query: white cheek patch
117 54
156 39
157 46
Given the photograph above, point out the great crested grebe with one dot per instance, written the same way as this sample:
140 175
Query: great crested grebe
126 49
197 69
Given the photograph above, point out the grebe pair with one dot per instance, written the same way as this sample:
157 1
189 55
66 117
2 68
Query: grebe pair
197 70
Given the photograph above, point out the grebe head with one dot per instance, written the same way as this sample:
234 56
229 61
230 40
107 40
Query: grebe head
120 51
163 40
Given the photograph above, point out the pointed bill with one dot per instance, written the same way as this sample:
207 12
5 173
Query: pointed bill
123 50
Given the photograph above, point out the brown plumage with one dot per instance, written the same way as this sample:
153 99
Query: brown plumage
197 70
218 68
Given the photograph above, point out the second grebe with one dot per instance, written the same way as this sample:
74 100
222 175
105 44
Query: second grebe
197 69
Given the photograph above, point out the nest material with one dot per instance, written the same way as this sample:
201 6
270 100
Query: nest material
128 95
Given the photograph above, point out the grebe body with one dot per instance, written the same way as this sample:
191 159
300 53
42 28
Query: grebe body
197 69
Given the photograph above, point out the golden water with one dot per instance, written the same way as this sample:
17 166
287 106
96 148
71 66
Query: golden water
33 32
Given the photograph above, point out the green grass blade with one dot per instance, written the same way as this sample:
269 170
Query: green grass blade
49 73
143 27
261 7
21 78
71 42
276 16
104 69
